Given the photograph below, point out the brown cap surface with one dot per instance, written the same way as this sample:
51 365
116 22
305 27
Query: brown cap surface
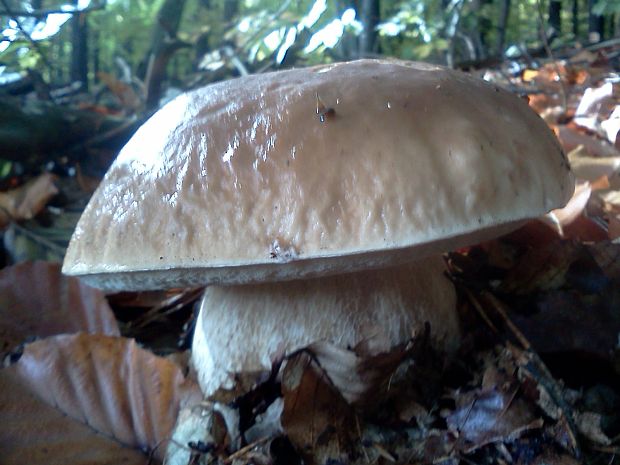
315 171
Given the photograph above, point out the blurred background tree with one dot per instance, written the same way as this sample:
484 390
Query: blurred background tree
187 42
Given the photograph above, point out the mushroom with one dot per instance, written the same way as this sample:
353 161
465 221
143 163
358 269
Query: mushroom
315 203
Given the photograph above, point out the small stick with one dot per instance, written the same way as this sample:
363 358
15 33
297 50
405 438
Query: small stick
245 449
531 362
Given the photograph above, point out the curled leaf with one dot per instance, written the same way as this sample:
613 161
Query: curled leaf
315 417
36 300
104 383
36 433
26 201
591 168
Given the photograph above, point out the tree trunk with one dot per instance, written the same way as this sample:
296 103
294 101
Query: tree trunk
79 50
348 47
96 53
575 17
555 19
369 17
163 45
504 13
231 8
596 24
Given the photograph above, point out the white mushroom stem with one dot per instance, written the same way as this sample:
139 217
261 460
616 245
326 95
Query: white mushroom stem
241 330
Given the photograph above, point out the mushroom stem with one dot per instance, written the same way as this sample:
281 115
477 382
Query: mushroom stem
242 330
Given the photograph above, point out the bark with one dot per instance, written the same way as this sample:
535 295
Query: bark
502 26
79 50
555 20
596 24
348 47
369 17
164 44
575 18
231 8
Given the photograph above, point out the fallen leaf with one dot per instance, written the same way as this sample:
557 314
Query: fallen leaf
566 321
266 424
607 257
125 94
589 424
26 201
357 376
551 458
315 417
611 126
35 433
541 268
491 414
593 107
613 227
207 430
571 138
36 300
106 384
591 168
562 217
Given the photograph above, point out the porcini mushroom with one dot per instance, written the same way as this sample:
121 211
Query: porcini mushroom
311 173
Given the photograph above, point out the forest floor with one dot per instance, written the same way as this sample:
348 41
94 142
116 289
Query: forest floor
90 378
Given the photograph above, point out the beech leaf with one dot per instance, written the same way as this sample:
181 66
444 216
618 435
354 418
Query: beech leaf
35 433
107 384
315 417
36 300
26 201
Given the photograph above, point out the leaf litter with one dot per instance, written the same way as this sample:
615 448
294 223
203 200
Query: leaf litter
537 379
100 393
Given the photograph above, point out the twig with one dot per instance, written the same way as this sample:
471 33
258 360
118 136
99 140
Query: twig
359 434
245 449
499 308
168 307
480 310
531 362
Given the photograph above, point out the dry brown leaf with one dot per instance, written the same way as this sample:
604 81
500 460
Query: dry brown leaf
591 168
357 376
562 217
214 425
104 383
493 413
571 138
125 94
586 229
36 300
612 198
36 433
541 268
607 257
613 227
26 201
595 105
315 417
490 416
589 424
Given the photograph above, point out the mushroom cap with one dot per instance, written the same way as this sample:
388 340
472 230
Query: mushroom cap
242 330
316 171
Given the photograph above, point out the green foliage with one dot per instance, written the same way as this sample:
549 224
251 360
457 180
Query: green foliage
261 34
606 7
